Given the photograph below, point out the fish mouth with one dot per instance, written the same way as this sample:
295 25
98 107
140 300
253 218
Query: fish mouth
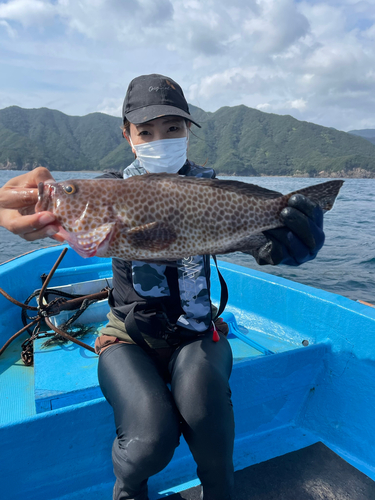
45 192
93 243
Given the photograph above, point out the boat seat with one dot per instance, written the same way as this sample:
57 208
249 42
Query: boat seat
269 385
65 374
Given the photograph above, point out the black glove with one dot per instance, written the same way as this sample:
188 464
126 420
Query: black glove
301 238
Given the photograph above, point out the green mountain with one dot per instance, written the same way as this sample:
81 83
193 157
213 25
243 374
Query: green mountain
366 133
233 140
32 137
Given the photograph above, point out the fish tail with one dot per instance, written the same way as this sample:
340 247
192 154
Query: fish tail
323 194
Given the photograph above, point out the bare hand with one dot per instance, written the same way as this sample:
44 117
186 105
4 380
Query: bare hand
17 206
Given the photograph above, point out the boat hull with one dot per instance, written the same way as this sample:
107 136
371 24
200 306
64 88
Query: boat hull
286 397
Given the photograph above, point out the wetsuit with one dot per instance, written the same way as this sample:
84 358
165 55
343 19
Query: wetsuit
183 389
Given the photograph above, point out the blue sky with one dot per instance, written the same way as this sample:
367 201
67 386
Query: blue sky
314 60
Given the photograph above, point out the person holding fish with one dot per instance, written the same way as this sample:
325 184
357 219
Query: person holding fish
164 360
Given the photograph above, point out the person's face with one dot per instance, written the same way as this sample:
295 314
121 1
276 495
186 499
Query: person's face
166 127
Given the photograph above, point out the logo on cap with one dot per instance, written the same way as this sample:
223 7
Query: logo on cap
156 89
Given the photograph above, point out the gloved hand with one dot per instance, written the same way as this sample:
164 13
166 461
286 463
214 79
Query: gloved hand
301 238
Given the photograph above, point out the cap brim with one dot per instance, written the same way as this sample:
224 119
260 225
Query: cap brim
148 113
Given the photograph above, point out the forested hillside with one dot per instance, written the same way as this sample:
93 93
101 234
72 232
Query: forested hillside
234 140
366 133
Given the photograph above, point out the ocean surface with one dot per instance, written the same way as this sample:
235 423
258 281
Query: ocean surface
345 265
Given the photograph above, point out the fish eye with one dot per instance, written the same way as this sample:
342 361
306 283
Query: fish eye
69 189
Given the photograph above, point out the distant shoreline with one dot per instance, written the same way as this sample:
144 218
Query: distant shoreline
353 174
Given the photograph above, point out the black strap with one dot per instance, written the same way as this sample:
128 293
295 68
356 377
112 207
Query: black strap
223 293
135 334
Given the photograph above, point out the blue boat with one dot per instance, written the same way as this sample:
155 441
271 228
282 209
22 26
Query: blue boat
303 386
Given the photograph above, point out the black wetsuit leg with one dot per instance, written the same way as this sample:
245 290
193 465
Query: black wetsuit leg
200 372
147 421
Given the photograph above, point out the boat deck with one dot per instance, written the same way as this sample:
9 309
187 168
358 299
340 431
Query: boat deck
17 400
312 473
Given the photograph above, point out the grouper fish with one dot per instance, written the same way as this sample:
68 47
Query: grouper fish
166 217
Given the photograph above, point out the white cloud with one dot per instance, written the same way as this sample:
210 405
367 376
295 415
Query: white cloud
279 25
126 21
12 33
27 12
299 104
110 106
264 106
314 60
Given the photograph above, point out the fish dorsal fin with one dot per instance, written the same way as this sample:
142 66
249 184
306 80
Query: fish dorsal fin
226 185
244 188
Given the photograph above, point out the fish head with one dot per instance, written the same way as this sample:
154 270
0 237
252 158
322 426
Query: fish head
86 220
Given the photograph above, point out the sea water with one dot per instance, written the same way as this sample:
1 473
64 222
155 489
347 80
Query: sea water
345 265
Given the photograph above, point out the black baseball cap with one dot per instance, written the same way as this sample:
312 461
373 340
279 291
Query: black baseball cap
153 96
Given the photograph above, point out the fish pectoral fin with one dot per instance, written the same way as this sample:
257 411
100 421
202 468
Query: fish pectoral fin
152 236
92 241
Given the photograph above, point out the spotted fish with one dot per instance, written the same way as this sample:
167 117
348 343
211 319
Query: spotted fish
165 217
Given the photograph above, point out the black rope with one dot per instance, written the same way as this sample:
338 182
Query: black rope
49 291
62 301
66 326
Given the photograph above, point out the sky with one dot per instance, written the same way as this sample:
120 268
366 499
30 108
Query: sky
312 59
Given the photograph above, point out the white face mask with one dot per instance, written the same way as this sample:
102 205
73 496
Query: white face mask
164 156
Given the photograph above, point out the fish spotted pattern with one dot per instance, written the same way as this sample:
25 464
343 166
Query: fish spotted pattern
162 217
